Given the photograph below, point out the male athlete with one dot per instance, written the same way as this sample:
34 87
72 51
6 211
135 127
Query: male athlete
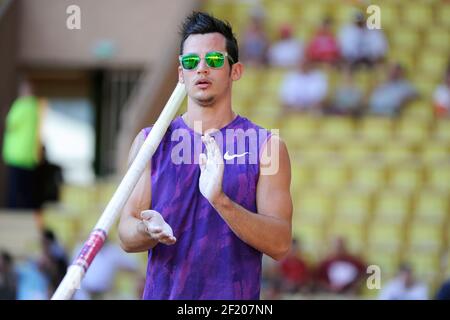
206 223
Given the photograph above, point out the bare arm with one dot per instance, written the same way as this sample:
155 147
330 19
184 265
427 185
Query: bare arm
140 229
269 230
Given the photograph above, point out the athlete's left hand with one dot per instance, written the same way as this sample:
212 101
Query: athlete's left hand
211 166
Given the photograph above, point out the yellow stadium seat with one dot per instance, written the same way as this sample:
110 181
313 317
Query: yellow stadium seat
406 177
355 151
389 14
425 265
405 38
387 261
267 106
281 13
425 237
442 130
368 176
376 129
417 15
311 237
438 38
412 130
432 63
431 207
312 13
300 174
396 152
353 206
344 14
435 153
337 129
331 175
297 128
419 110
443 12
315 152
386 237
425 85
314 206
392 206
438 177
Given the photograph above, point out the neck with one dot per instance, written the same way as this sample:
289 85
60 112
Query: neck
215 116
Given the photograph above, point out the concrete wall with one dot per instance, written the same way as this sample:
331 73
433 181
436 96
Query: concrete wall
137 30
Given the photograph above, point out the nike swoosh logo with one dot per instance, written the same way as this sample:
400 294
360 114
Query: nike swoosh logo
226 156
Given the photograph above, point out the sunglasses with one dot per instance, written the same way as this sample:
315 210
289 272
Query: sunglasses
214 59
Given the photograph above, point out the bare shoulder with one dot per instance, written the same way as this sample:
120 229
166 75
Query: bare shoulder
274 157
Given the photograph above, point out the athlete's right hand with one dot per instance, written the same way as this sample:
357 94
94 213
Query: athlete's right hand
154 225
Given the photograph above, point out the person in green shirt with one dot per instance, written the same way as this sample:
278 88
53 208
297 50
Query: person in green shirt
21 148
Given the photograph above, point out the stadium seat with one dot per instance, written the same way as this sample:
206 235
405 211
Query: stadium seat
368 176
425 265
438 177
312 239
438 38
314 206
297 128
353 205
356 152
331 175
431 207
412 130
405 38
392 206
443 12
417 15
375 129
396 152
385 237
387 261
426 237
433 153
336 129
442 130
406 177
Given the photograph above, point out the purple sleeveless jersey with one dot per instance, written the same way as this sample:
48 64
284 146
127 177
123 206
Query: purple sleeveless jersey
208 261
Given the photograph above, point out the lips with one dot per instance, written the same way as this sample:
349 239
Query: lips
203 83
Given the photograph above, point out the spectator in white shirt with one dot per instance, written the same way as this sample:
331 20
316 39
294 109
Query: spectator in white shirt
360 45
404 287
287 51
305 89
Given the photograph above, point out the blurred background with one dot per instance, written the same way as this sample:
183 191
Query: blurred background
365 114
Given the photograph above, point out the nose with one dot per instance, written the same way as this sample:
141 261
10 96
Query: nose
202 67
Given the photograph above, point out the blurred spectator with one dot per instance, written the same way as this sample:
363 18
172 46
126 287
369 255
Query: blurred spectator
295 274
21 148
444 291
255 42
404 287
49 179
389 98
323 46
32 282
341 272
441 97
100 277
271 279
360 45
304 89
287 51
53 261
348 98
8 277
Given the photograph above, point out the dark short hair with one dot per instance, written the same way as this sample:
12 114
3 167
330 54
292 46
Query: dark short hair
202 23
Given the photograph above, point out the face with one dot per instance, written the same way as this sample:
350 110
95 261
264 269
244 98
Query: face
206 86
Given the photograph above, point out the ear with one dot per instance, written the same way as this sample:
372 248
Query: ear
180 75
237 70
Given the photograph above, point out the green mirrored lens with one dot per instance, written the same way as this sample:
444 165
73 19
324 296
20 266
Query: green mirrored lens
215 59
190 61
